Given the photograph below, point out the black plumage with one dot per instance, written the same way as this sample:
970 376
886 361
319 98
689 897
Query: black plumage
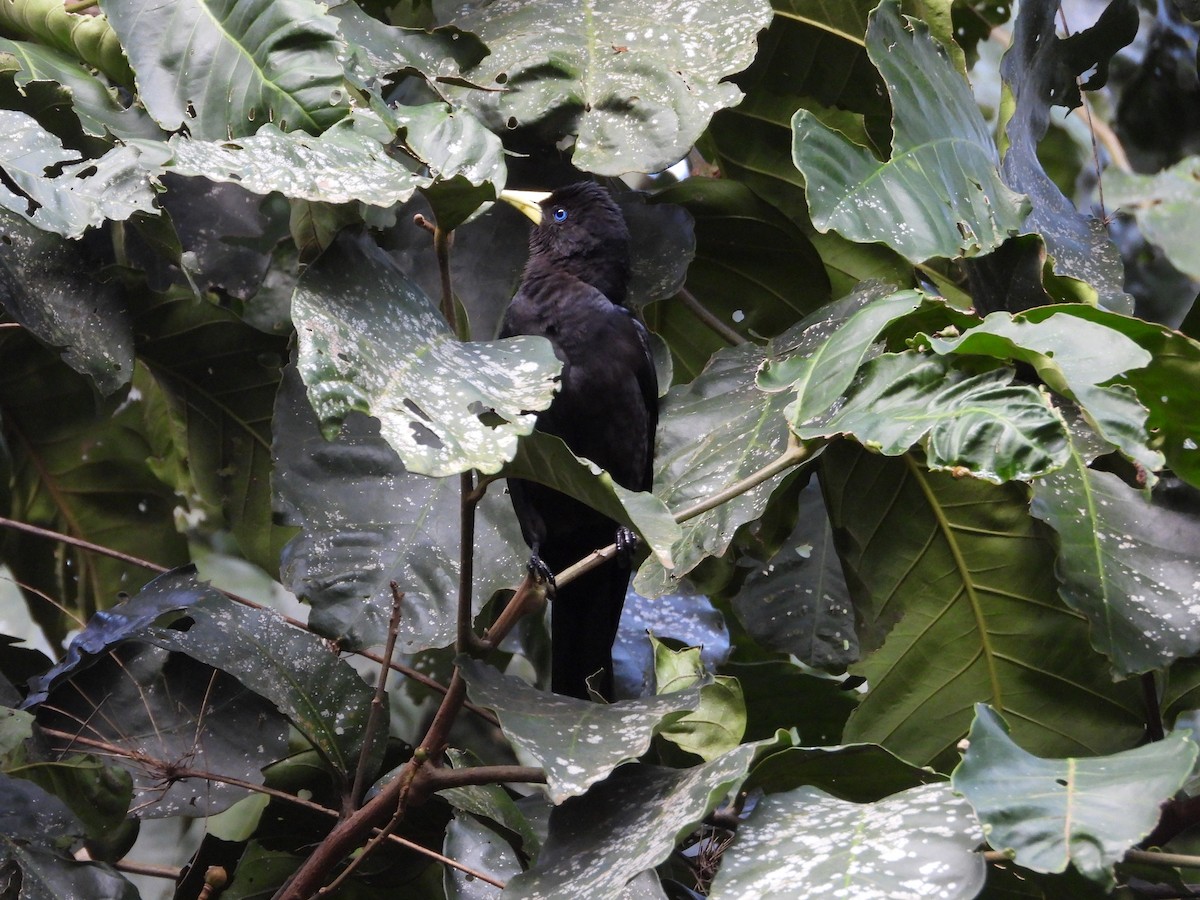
572 293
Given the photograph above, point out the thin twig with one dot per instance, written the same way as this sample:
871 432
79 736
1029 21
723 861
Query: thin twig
79 542
152 871
1155 858
701 312
377 705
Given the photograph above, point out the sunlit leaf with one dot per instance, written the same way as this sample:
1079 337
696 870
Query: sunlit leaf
806 843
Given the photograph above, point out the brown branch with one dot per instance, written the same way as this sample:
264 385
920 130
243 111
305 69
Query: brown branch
136 868
385 806
79 542
377 706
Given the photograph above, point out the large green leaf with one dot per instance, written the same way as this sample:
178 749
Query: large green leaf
224 68
634 82
954 582
712 433
797 602
940 194
371 341
46 286
366 522
348 162
858 773
978 424
1126 563
307 681
92 101
1051 812
1039 70
1165 207
80 469
49 875
626 824
216 378
807 844
1075 357
89 38
83 193
577 742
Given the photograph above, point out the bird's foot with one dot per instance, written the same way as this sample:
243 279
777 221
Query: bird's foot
627 542
541 572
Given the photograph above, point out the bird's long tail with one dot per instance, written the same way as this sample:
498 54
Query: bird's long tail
583 625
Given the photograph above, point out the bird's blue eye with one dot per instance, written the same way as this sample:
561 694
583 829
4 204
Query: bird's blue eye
560 214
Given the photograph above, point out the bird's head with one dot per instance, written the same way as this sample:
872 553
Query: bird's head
580 230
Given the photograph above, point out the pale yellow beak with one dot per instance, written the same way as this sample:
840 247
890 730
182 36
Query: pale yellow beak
529 203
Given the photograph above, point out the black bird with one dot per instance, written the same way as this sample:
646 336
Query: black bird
606 409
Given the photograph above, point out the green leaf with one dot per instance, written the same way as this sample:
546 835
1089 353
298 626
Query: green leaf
984 424
797 602
634 83
371 341
46 286
820 357
626 824
578 743
1169 386
545 459
224 68
806 843
719 722
1051 812
1126 563
94 103
366 522
940 194
83 194
378 51
319 692
78 468
343 164
1074 357
859 773
89 38
711 434
490 801
479 848
1039 69
953 582
208 399
1165 207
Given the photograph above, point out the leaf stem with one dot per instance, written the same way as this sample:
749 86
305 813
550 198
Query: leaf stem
793 455
701 312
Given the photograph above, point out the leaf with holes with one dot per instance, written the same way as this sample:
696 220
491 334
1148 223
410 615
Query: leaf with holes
635 82
370 341
85 192
806 843
1051 812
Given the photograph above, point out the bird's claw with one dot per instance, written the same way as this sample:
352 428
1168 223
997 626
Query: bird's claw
627 542
541 572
